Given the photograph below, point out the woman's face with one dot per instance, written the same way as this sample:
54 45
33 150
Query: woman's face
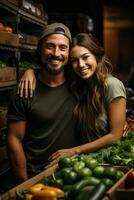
83 61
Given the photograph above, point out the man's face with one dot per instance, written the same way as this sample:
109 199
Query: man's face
54 53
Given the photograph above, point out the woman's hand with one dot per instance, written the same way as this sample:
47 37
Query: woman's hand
62 153
27 84
55 157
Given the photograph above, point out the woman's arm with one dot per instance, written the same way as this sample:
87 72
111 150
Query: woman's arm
27 84
117 117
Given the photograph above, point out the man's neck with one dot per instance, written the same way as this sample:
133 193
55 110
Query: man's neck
51 80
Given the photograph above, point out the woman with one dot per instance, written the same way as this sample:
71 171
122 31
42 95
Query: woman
100 97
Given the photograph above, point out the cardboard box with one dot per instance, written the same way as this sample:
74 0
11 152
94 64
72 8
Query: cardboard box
10 39
11 194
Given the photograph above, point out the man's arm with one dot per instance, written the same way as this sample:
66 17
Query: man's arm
16 132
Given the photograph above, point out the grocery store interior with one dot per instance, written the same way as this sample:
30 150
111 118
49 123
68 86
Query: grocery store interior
110 21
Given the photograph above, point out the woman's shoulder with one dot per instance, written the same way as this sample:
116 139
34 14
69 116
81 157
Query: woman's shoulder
113 80
115 88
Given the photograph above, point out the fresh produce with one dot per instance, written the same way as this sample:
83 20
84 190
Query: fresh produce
2 64
121 152
5 28
65 162
26 64
90 162
69 177
76 178
110 172
98 192
130 179
82 171
84 193
78 165
108 182
40 191
99 171
8 29
91 181
119 174
45 195
35 188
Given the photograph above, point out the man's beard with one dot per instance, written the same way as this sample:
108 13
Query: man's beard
51 70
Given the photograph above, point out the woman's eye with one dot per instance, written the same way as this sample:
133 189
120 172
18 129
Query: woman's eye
86 57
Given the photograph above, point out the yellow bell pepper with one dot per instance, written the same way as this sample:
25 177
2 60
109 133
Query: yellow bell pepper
40 191
28 196
35 188
58 191
45 194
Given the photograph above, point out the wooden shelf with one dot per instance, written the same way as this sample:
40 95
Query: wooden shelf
23 14
7 85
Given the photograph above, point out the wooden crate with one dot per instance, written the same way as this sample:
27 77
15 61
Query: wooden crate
14 2
10 39
11 194
28 39
7 76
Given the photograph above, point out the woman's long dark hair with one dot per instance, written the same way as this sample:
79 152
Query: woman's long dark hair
89 93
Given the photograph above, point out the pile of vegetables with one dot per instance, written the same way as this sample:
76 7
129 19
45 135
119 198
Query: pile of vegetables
121 152
26 65
81 177
2 64
40 191
77 178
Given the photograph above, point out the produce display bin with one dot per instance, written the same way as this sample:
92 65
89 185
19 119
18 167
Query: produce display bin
11 194
123 194
112 192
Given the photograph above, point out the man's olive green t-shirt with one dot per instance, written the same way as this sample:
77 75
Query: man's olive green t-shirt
50 124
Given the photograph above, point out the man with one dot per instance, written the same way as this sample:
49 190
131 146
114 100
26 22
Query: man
39 126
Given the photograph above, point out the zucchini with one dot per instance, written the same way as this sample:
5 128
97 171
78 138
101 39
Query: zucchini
84 193
98 192
79 185
92 180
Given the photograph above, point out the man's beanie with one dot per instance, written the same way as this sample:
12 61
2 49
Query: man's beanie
56 28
